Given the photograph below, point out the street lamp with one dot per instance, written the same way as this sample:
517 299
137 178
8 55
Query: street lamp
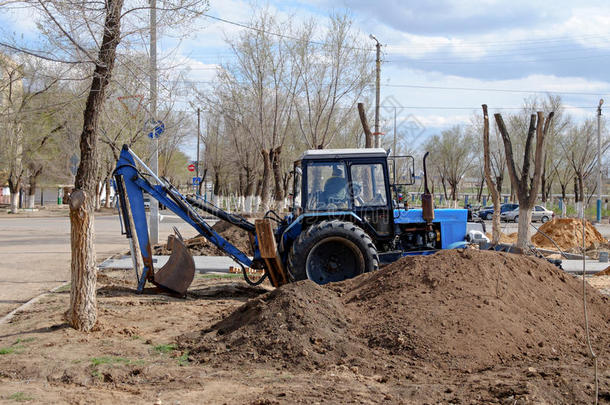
377 79
599 161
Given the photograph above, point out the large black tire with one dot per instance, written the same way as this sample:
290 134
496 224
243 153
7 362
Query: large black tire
332 251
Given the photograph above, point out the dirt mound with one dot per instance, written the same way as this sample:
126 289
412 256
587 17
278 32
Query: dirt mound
200 246
567 233
301 324
504 238
471 309
455 309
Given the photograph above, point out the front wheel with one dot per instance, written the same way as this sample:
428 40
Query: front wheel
488 216
544 219
332 251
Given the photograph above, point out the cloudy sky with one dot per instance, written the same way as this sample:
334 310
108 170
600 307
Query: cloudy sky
443 59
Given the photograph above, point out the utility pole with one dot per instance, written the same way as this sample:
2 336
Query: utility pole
198 138
394 152
154 146
599 161
377 81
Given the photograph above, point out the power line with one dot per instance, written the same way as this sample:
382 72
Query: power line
416 86
495 90
495 62
262 31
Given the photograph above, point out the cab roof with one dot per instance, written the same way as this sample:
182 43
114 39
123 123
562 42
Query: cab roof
315 154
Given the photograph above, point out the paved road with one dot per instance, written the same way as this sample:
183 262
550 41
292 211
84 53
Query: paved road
35 252
510 227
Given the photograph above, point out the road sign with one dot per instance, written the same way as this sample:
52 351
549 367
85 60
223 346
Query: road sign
74 160
158 128
196 181
191 167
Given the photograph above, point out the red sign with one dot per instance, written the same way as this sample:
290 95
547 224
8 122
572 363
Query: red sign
191 168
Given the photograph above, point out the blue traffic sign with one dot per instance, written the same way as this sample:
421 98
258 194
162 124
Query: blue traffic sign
196 181
74 161
158 129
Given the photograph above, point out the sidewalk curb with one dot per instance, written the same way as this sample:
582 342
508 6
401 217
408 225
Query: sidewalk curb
6 318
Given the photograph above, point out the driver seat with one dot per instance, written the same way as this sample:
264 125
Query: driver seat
335 187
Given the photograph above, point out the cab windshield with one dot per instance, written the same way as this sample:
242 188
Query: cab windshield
368 183
327 186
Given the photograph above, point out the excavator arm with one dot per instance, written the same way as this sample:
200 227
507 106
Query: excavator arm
178 273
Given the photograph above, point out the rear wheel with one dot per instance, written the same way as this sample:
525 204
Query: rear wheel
332 251
488 216
516 218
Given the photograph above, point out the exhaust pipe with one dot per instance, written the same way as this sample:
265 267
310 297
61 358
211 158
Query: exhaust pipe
427 203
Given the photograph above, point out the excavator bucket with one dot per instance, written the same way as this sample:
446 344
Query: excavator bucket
179 271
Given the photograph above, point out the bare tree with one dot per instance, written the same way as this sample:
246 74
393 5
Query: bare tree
525 183
491 184
451 151
579 145
333 76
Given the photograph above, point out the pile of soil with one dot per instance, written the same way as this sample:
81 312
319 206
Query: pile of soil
567 234
200 246
504 238
455 310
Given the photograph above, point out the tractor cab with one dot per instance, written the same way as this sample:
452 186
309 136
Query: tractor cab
358 181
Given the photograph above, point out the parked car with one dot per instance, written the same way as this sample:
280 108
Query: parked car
487 212
539 213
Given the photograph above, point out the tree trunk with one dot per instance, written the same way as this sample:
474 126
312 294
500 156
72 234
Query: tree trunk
265 181
499 182
98 195
31 203
216 189
523 231
83 305
580 209
453 191
495 193
278 192
368 136
480 190
526 187
108 185
444 188
249 190
14 186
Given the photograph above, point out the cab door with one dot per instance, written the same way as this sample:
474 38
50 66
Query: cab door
371 198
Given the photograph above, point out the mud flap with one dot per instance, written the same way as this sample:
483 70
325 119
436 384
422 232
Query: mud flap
179 271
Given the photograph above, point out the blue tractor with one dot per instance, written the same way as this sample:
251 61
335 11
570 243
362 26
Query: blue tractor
347 217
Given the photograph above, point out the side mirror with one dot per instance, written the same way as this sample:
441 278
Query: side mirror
402 170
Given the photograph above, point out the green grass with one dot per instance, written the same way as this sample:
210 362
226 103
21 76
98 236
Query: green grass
15 347
26 340
165 348
7 350
20 397
96 361
64 288
184 359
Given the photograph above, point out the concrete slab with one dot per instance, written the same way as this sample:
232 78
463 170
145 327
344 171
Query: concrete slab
203 264
591 266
